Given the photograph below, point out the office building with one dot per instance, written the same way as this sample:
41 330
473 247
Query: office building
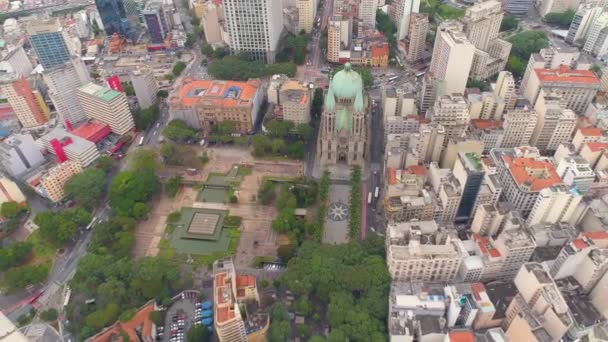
108 106
487 220
415 42
555 124
452 112
452 57
545 7
338 34
63 82
454 146
576 173
49 41
254 27
588 135
418 205
554 204
518 7
598 296
581 23
120 17
596 35
53 181
400 12
551 58
203 103
469 172
307 12
488 63
156 22
28 104
421 251
19 61
482 23
523 174
490 133
10 192
518 127
426 144
19 153
295 100
367 12
145 87
506 90
576 87
213 24
67 146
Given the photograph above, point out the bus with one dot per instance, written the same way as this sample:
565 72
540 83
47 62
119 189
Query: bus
92 223
67 293
369 198
376 192
141 141
420 74
393 78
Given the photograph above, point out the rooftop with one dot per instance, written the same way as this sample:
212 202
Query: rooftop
102 93
591 132
535 174
77 144
461 336
139 325
563 74
224 94
486 124
501 294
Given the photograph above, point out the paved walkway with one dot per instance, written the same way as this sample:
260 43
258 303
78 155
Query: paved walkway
336 222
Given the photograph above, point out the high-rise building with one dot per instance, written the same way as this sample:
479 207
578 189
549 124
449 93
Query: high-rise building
254 27
582 22
416 40
482 23
487 220
19 153
307 11
108 106
28 104
49 41
145 86
518 127
452 112
67 146
63 82
212 22
516 246
54 180
19 61
469 172
485 106
400 12
523 174
596 33
367 12
554 204
505 88
576 172
156 21
555 124
576 87
453 146
452 58
339 31
518 7
120 17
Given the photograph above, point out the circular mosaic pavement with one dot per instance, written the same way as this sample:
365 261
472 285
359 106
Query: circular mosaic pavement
337 211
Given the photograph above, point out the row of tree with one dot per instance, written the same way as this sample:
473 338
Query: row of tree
241 68
179 131
354 217
319 223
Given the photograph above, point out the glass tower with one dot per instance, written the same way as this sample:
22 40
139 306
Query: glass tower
48 40
119 16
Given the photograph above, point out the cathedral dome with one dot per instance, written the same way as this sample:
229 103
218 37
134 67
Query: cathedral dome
347 83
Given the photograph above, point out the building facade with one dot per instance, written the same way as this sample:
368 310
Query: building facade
555 124
63 82
156 21
367 12
295 99
120 17
416 41
400 12
49 40
307 12
28 105
108 106
145 86
518 127
54 180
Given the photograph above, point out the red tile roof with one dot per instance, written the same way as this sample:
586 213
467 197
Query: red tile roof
140 322
485 124
461 336
485 246
580 244
521 169
245 280
592 132
596 235
418 170
215 93
563 74
379 49
392 176
597 146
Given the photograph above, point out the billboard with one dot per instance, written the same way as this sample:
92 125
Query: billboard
114 83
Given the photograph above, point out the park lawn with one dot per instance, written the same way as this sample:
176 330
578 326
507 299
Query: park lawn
43 251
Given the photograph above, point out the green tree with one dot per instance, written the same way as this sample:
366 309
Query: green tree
388 28
86 188
178 130
198 333
60 227
140 210
286 252
561 19
207 50
178 68
354 217
49 315
304 131
527 43
481 85
105 163
509 22
144 118
278 146
516 66
191 38
172 186
15 254
296 150
9 209
163 94
18 278
129 188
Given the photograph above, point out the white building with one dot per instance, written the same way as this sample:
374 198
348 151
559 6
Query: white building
576 172
482 23
452 112
400 12
367 12
582 22
254 27
75 148
307 11
63 82
145 86
108 106
506 90
554 205
555 124
545 7
19 61
19 153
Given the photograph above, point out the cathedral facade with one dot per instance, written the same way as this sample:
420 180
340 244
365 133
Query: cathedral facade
343 130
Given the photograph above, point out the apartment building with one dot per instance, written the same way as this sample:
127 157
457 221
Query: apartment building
595 40
459 145
203 103
555 124
401 12
506 90
28 104
157 21
451 112
488 219
307 11
67 146
422 251
482 23
367 12
518 127
399 102
490 132
10 192
555 204
523 174
545 7
213 23
425 145
53 181
19 61
588 135
489 63
295 100
452 58
522 324
108 106
339 31
418 206
516 246
582 22
145 87
415 42
254 27
576 87
576 173
485 106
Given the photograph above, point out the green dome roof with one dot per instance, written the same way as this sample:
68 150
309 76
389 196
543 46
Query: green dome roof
346 83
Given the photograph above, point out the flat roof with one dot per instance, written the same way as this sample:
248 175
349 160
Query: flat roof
203 223
566 75
103 93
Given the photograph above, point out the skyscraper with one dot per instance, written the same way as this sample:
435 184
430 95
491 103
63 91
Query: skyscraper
338 35
119 16
28 105
416 41
254 27
307 10
554 204
452 57
518 127
63 82
156 22
400 12
367 12
482 23
469 171
145 87
555 123
49 41
505 88
108 106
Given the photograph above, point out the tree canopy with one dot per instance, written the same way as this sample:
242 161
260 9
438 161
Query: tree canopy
527 43
129 188
198 333
86 188
59 227
561 19
509 22
293 49
145 117
15 254
178 130
238 69
9 209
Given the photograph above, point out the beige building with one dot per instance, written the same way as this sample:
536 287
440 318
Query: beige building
421 251
145 87
598 296
487 220
10 192
108 106
522 324
452 112
506 90
554 205
367 12
28 104
338 35
516 246
485 106
307 11
295 100
458 145
416 41
489 63
555 123
482 23
212 22
452 58
54 180
518 127
400 12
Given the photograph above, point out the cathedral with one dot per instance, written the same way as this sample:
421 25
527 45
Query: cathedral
343 131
